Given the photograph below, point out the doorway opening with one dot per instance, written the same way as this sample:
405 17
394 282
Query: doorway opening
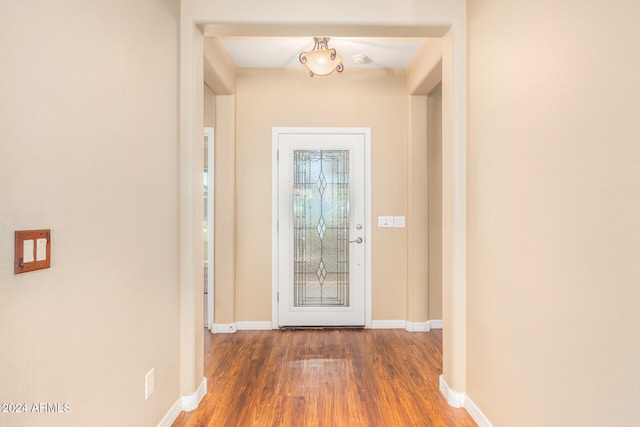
208 229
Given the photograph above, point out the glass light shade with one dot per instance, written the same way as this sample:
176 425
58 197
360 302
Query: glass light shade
320 63
321 60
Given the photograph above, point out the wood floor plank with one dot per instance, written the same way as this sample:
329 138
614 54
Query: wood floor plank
317 378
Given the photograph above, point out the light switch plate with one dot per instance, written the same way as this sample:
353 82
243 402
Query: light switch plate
398 221
32 250
385 221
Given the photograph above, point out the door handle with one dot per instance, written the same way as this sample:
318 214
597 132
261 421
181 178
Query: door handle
358 240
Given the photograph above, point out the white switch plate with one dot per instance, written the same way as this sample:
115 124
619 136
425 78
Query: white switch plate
385 221
398 221
149 383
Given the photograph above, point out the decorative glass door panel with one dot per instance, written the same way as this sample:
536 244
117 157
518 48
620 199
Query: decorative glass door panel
321 228
321 233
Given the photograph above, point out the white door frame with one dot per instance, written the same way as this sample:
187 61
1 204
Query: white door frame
210 141
366 132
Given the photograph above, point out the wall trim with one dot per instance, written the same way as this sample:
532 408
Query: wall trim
454 398
476 413
267 325
405 324
418 326
224 328
172 414
254 325
250 325
462 400
184 403
191 402
388 324
435 324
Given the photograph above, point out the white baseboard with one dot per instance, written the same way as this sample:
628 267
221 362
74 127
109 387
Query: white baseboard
405 324
184 403
191 402
454 398
224 328
461 400
230 328
435 324
476 413
172 414
254 325
388 324
418 326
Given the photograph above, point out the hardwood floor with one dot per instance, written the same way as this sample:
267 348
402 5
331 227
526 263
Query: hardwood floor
331 377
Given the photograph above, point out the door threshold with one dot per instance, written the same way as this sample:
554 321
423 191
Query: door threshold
294 328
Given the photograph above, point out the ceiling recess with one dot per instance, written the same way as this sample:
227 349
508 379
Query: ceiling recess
283 52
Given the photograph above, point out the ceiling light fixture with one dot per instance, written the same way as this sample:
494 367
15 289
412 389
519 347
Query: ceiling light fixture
321 60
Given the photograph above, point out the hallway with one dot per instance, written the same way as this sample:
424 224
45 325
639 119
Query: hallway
332 377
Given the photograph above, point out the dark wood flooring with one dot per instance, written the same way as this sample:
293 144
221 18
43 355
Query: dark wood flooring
331 377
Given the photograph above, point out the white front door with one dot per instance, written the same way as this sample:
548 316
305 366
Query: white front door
321 228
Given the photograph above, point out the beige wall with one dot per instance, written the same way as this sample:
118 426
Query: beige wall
417 212
554 209
268 98
434 168
88 147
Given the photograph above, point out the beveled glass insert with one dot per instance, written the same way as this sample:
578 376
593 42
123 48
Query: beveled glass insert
321 196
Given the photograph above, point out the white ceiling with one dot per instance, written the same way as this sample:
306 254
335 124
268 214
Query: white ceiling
283 52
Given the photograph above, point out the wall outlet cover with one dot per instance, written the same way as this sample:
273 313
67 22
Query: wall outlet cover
149 383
